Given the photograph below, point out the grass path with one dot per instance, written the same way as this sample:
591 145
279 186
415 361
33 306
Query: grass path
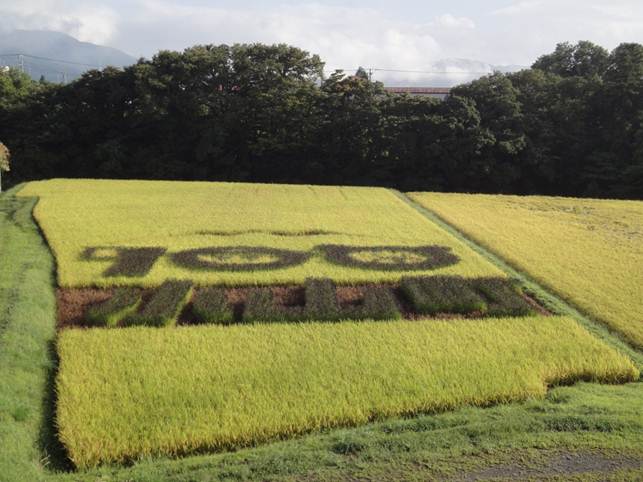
27 330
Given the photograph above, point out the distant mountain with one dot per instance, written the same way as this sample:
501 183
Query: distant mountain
445 73
70 57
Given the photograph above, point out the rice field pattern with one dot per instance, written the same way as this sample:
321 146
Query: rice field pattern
196 317
142 233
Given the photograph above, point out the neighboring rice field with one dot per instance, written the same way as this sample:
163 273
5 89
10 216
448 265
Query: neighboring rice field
106 233
589 251
128 393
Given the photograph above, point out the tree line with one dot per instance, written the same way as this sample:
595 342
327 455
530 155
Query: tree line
572 124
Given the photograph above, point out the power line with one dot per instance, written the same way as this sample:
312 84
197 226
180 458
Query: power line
60 61
429 72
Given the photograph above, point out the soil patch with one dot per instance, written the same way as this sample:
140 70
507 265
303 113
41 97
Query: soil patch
559 464
73 303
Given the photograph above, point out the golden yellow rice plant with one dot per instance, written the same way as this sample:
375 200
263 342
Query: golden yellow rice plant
84 220
588 251
135 392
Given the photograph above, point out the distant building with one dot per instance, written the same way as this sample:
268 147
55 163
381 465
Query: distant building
437 92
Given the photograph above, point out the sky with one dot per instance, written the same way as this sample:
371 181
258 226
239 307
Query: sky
402 35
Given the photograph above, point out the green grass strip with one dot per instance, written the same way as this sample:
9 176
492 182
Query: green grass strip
229 386
551 301
27 330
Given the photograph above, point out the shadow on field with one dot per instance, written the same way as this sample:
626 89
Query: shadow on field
54 454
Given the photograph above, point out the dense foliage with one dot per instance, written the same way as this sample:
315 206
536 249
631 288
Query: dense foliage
570 125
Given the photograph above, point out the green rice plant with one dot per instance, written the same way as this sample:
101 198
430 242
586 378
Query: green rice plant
260 306
223 387
234 234
211 306
164 307
378 304
503 296
123 302
321 300
588 251
442 294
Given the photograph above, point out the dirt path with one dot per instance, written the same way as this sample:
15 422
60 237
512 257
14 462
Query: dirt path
559 464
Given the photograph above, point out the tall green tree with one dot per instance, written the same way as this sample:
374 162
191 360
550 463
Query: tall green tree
583 59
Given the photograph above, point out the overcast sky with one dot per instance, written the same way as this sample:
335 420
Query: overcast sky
377 33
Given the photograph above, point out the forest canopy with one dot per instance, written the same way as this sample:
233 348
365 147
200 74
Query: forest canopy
570 125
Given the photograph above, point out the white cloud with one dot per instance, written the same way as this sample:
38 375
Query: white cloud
449 21
344 36
519 8
532 28
91 22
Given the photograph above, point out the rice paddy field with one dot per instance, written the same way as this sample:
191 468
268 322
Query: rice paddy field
249 233
224 387
588 251
216 331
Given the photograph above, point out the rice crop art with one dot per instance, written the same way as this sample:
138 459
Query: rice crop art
589 251
142 233
136 392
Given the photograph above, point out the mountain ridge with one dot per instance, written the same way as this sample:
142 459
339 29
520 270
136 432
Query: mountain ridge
56 56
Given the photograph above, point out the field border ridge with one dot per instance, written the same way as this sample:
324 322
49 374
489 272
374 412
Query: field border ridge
37 449
544 295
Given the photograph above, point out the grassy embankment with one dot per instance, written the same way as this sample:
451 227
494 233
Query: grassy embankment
27 321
